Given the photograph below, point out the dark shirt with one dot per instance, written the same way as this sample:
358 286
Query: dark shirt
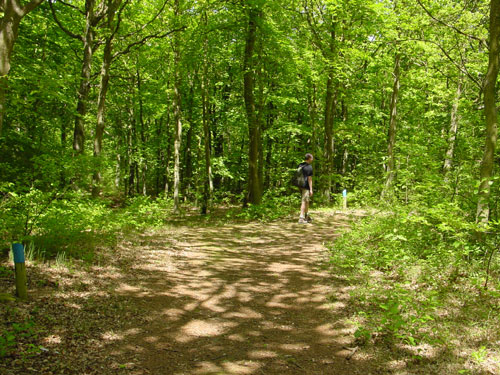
307 170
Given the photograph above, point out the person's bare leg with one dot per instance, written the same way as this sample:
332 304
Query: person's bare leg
303 209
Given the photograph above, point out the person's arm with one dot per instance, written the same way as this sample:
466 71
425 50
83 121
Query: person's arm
310 179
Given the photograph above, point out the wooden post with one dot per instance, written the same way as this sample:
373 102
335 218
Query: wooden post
344 199
21 280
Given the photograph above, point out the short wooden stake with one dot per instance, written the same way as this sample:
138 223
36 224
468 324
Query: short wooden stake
19 262
344 199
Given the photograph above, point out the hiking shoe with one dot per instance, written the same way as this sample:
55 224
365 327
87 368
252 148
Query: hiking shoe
309 219
303 221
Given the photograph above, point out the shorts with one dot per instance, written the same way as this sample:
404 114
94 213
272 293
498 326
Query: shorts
305 195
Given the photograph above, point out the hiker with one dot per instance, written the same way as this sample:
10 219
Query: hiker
307 190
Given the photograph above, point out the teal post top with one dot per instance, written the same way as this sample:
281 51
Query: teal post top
344 193
18 250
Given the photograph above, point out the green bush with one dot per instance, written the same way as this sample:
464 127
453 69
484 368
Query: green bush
406 263
272 208
72 224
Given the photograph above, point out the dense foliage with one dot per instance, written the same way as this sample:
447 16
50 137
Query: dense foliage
323 80
118 114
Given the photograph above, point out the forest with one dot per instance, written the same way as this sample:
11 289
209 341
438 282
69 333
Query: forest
129 127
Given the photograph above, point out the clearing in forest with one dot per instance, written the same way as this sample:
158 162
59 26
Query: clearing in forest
248 298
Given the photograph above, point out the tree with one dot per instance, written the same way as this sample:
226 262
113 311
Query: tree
177 109
490 112
254 183
391 137
13 13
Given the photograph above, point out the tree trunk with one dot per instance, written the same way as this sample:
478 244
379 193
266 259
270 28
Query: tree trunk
312 108
177 114
83 91
103 90
13 13
188 159
159 154
452 133
208 186
168 157
143 161
391 139
254 185
490 111
329 141
101 103
345 159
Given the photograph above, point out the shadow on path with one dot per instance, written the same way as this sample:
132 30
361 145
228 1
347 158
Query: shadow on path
238 299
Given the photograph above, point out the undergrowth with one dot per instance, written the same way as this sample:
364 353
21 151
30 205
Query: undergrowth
72 225
423 276
271 208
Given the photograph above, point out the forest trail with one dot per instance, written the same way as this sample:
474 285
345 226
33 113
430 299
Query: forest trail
248 298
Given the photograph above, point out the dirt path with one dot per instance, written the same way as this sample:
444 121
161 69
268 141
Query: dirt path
238 299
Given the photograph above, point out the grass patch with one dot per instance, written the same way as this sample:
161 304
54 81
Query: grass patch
418 282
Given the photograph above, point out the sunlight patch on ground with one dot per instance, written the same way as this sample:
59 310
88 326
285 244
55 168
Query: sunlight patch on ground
52 340
111 336
262 354
203 328
327 330
241 367
284 267
205 368
173 313
127 288
294 347
243 313
237 337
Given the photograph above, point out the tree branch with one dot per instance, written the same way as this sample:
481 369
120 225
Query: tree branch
144 40
118 22
147 23
79 37
316 39
449 26
30 6
72 6
458 66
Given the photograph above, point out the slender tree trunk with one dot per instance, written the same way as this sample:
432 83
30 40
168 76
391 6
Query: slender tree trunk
208 186
452 133
143 161
345 159
177 114
103 90
262 125
168 157
159 154
329 140
391 139
312 108
490 111
101 103
254 185
83 91
188 160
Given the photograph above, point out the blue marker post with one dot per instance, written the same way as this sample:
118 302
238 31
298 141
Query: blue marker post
344 199
19 262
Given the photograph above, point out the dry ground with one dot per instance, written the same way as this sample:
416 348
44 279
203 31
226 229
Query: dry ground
200 298
238 299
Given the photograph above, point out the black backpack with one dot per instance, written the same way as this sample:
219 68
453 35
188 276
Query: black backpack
298 178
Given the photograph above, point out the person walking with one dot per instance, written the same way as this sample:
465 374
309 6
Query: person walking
306 192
